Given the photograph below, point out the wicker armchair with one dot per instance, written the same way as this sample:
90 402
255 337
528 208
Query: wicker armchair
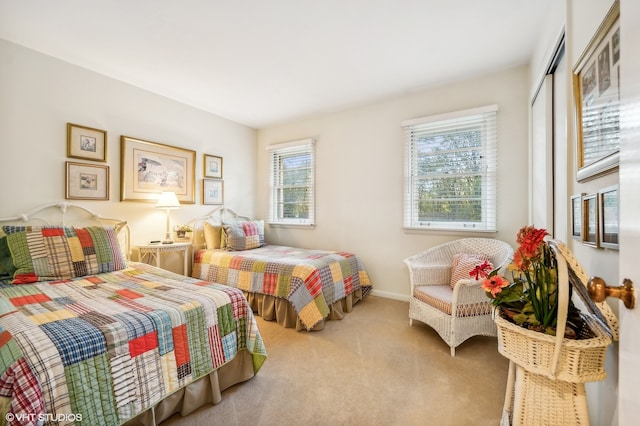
460 312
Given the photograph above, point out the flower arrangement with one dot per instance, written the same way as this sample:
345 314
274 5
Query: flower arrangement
181 230
531 298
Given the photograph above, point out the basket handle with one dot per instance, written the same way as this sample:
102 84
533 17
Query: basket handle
563 306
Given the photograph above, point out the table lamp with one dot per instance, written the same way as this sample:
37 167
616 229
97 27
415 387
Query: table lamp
168 201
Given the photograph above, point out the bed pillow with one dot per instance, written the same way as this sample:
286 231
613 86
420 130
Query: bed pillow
7 267
212 235
463 264
47 253
245 235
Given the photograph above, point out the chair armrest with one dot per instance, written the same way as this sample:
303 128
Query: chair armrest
469 291
423 274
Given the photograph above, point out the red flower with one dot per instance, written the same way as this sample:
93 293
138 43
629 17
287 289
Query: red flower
481 271
531 240
494 284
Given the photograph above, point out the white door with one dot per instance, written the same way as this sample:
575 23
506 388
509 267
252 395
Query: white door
629 349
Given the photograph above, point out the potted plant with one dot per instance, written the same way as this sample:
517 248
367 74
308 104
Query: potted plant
183 231
530 299
536 303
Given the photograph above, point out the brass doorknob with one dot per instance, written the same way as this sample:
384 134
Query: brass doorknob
599 290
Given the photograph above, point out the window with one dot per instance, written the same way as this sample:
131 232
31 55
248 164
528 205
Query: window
450 171
292 180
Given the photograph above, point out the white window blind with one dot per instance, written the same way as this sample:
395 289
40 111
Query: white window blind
292 183
450 171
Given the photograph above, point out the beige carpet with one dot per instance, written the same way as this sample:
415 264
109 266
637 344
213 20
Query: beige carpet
370 368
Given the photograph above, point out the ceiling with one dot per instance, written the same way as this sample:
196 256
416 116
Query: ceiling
263 62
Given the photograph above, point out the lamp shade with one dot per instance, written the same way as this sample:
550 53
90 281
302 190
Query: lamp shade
168 200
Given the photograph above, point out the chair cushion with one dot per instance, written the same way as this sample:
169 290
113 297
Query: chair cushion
463 264
441 296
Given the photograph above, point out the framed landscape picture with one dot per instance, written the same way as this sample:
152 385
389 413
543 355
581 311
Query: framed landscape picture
212 166
86 143
86 181
212 191
149 168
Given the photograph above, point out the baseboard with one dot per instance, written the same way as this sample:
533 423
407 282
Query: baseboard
389 295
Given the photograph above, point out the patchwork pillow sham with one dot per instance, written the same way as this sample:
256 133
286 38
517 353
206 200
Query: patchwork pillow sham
463 264
47 253
245 235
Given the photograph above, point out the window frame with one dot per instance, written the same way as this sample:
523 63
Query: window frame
486 118
278 151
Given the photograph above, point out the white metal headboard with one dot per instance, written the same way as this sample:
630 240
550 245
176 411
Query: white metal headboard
217 216
42 215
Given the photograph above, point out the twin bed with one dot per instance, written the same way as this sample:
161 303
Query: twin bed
298 288
89 337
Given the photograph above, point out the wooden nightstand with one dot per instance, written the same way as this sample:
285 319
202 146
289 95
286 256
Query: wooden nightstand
153 253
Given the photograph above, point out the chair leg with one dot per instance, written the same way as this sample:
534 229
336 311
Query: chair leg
453 351
410 322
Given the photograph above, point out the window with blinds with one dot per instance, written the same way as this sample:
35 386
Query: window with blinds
292 183
450 171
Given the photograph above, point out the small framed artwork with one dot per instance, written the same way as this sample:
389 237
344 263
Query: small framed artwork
576 216
596 88
86 181
212 166
590 220
86 143
212 191
609 217
149 168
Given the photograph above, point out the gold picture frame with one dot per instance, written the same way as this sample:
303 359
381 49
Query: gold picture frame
149 168
590 226
576 216
609 217
86 181
212 191
596 89
212 166
86 143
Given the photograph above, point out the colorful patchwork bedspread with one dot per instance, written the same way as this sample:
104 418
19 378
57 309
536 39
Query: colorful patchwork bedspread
103 348
310 279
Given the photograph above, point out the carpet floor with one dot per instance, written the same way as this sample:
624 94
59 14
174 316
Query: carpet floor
371 368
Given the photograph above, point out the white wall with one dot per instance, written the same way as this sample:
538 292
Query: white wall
359 154
40 94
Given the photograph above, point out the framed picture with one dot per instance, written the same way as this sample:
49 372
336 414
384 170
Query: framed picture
590 220
212 166
149 168
212 191
576 216
596 88
86 181
86 143
609 217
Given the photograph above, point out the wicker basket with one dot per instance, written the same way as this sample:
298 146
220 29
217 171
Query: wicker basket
575 361
579 361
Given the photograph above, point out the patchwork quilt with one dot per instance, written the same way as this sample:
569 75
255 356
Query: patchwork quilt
102 348
310 280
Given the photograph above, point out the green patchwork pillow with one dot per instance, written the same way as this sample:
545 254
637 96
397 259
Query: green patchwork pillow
244 235
7 267
47 253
